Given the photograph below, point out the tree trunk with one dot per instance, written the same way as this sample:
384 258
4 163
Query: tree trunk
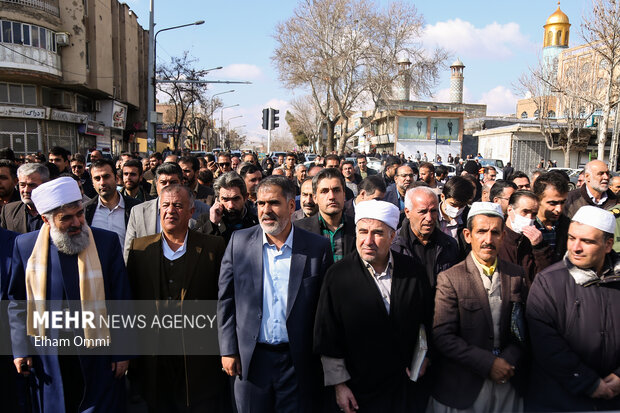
330 135
602 132
567 155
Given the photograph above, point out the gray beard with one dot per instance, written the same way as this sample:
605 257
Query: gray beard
69 244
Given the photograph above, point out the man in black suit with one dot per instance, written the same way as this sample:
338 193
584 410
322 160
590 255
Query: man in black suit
328 188
22 216
373 298
362 168
270 279
109 210
78 167
190 167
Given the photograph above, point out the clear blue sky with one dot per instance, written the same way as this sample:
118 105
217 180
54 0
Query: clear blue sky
496 40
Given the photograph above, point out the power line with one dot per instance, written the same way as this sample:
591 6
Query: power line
48 65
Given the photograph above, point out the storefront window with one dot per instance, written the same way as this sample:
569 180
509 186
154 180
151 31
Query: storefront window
61 134
20 135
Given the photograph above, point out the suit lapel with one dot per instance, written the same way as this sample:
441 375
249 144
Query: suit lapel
22 219
193 251
479 290
298 263
506 292
150 217
256 261
154 263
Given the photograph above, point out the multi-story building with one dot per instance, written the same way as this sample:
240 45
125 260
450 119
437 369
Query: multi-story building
73 73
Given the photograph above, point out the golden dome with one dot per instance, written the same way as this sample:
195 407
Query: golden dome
558 17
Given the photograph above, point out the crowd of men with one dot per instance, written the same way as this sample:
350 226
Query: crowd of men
339 287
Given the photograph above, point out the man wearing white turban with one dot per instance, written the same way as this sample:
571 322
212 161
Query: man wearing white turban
573 313
374 305
66 260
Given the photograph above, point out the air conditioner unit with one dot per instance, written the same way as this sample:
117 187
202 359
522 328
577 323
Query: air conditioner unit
62 39
97 106
62 100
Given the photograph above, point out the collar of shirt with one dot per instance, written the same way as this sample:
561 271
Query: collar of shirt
539 224
121 203
173 255
387 273
324 224
486 270
288 243
603 198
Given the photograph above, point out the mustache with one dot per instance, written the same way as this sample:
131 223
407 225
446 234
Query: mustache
309 204
485 245
268 215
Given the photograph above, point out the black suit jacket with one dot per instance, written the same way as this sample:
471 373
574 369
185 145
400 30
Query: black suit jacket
203 258
91 206
368 170
311 224
205 194
13 217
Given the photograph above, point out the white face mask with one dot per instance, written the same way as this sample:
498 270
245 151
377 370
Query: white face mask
451 211
520 222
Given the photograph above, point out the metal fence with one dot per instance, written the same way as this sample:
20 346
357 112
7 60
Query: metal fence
50 6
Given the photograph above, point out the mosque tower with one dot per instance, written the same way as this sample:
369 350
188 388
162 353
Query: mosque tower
402 89
557 30
456 82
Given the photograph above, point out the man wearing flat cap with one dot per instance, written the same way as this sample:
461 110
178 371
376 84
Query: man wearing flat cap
374 305
478 326
66 260
573 313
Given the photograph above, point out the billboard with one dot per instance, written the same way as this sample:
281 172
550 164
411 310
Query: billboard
445 128
410 127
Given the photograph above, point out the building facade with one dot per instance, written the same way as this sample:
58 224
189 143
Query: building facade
73 73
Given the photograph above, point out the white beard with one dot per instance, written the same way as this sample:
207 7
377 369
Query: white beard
69 244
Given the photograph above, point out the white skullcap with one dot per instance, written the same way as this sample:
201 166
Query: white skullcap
597 218
485 208
385 212
55 193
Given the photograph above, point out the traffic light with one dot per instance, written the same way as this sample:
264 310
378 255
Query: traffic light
266 118
274 118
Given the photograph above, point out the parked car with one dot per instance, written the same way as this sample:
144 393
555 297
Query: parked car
497 163
451 168
374 163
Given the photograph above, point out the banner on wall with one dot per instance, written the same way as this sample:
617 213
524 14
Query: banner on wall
410 127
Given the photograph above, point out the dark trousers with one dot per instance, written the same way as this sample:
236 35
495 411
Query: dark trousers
272 384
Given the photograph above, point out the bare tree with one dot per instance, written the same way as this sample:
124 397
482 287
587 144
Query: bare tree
306 121
281 141
345 53
563 104
601 30
181 95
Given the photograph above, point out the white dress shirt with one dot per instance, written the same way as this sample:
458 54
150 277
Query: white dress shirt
111 219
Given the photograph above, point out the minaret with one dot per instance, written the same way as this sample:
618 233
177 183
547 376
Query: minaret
402 90
555 40
456 82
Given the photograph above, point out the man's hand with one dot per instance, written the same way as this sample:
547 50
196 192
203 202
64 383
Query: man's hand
423 368
212 166
345 399
18 365
533 234
613 382
603 391
501 371
216 212
120 368
231 365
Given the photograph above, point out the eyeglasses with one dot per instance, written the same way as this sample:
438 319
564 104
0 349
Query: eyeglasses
224 164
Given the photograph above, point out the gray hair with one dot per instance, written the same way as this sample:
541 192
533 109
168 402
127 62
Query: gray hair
411 192
230 180
28 169
286 185
299 166
180 188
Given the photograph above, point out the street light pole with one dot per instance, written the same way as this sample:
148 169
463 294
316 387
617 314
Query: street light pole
222 122
151 112
228 127
212 109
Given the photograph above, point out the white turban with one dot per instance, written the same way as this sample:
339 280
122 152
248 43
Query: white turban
55 193
485 208
597 218
385 212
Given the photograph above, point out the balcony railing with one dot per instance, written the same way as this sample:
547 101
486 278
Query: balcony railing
16 56
50 6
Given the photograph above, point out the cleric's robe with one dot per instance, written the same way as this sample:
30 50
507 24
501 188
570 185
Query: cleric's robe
102 392
352 323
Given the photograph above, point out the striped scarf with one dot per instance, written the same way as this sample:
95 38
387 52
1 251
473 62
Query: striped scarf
92 292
